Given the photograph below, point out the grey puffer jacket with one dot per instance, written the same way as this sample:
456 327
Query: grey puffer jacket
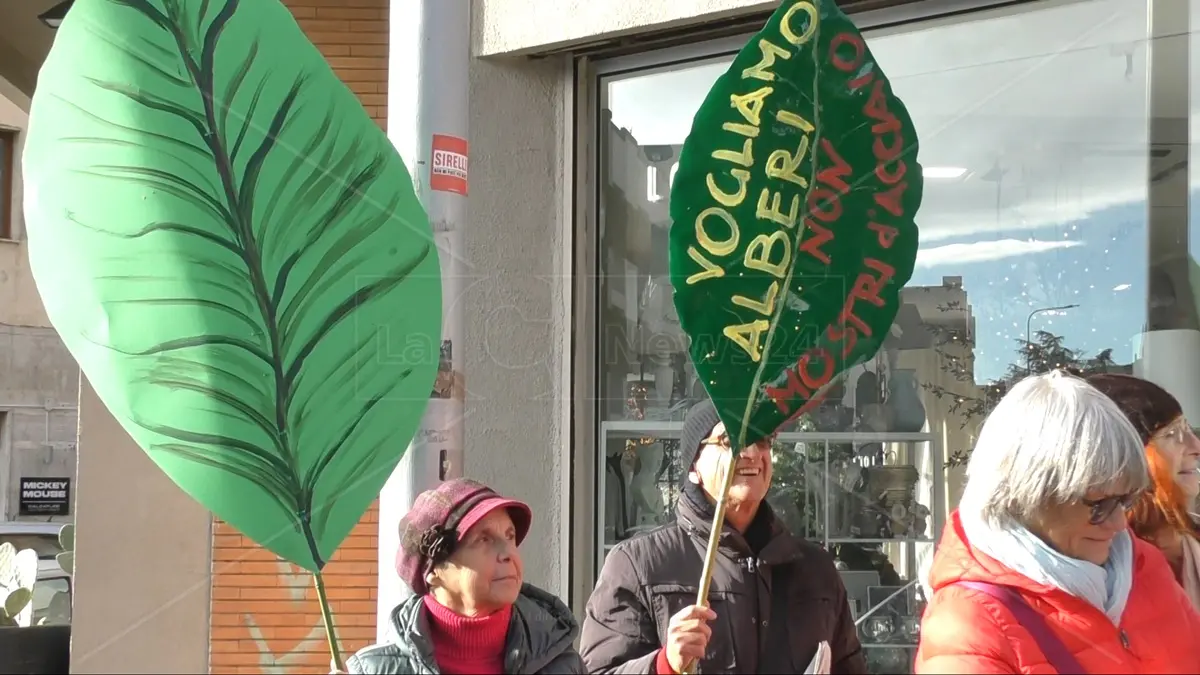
540 636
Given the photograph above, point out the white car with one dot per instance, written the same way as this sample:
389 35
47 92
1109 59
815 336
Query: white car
52 592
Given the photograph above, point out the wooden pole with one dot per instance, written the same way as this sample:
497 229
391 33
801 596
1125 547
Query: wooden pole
714 536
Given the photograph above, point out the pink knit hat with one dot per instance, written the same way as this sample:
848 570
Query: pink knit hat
440 517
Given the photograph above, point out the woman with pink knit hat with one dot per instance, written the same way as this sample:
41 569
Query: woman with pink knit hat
471 611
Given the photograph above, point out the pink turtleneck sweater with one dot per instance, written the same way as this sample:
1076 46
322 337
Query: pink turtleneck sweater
467 645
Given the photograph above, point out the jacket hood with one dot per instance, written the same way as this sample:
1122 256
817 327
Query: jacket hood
540 630
957 560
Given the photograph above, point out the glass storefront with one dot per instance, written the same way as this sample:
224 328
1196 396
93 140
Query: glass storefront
1054 233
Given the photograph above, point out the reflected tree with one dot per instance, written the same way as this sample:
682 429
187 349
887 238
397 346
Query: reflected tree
972 402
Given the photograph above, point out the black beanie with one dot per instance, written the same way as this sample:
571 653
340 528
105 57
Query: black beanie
697 427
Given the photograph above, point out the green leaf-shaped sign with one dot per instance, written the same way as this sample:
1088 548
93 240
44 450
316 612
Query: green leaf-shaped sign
792 212
233 252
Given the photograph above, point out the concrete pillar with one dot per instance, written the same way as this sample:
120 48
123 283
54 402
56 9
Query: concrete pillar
143 558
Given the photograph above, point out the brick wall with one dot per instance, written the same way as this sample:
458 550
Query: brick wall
265 617
353 35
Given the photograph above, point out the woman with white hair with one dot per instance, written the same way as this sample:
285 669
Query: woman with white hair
1036 571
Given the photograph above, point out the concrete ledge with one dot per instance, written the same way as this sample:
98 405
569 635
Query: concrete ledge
521 27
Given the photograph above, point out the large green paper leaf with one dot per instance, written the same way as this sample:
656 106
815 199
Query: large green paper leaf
233 252
792 212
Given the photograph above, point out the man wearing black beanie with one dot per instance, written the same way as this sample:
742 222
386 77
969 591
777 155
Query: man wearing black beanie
774 597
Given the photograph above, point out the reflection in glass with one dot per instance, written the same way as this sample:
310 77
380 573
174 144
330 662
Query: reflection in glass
52 602
1055 233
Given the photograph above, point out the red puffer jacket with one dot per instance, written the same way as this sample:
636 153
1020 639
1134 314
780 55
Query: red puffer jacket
968 631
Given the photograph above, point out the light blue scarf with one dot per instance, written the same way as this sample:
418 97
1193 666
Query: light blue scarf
1105 587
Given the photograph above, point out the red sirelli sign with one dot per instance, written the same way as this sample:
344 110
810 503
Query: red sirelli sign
448 169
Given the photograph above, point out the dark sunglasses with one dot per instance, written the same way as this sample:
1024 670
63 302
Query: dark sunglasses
1102 509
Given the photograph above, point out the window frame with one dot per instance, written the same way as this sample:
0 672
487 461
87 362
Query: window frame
8 176
591 76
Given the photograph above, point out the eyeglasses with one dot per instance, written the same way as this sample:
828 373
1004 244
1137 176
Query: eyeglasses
1102 509
1177 432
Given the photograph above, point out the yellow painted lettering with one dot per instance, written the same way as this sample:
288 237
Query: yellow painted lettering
748 336
711 270
766 306
714 246
758 253
723 198
793 120
806 33
744 158
769 207
782 164
751 105
747 130
761 70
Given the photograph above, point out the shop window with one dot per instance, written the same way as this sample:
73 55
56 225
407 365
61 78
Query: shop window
1055 232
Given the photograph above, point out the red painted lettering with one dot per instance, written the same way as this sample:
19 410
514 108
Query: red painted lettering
806 375
866 287
834 176
889 152
886 234
890 199
824 204
855 62
801 381
782 396
876 108
815 236
890 177
843 331
855 42
888 147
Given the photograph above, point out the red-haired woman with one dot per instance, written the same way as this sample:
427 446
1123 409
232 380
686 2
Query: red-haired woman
1163 516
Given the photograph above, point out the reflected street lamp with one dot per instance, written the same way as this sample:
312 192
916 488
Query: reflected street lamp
1029 336
53 17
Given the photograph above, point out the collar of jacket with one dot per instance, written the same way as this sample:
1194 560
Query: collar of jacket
541 628
782 547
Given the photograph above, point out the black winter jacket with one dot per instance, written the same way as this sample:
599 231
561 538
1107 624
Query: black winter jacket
540 636
648 579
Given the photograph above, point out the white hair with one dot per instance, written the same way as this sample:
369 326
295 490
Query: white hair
1051 440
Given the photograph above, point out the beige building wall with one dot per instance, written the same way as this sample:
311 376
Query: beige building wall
38 377
143 559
